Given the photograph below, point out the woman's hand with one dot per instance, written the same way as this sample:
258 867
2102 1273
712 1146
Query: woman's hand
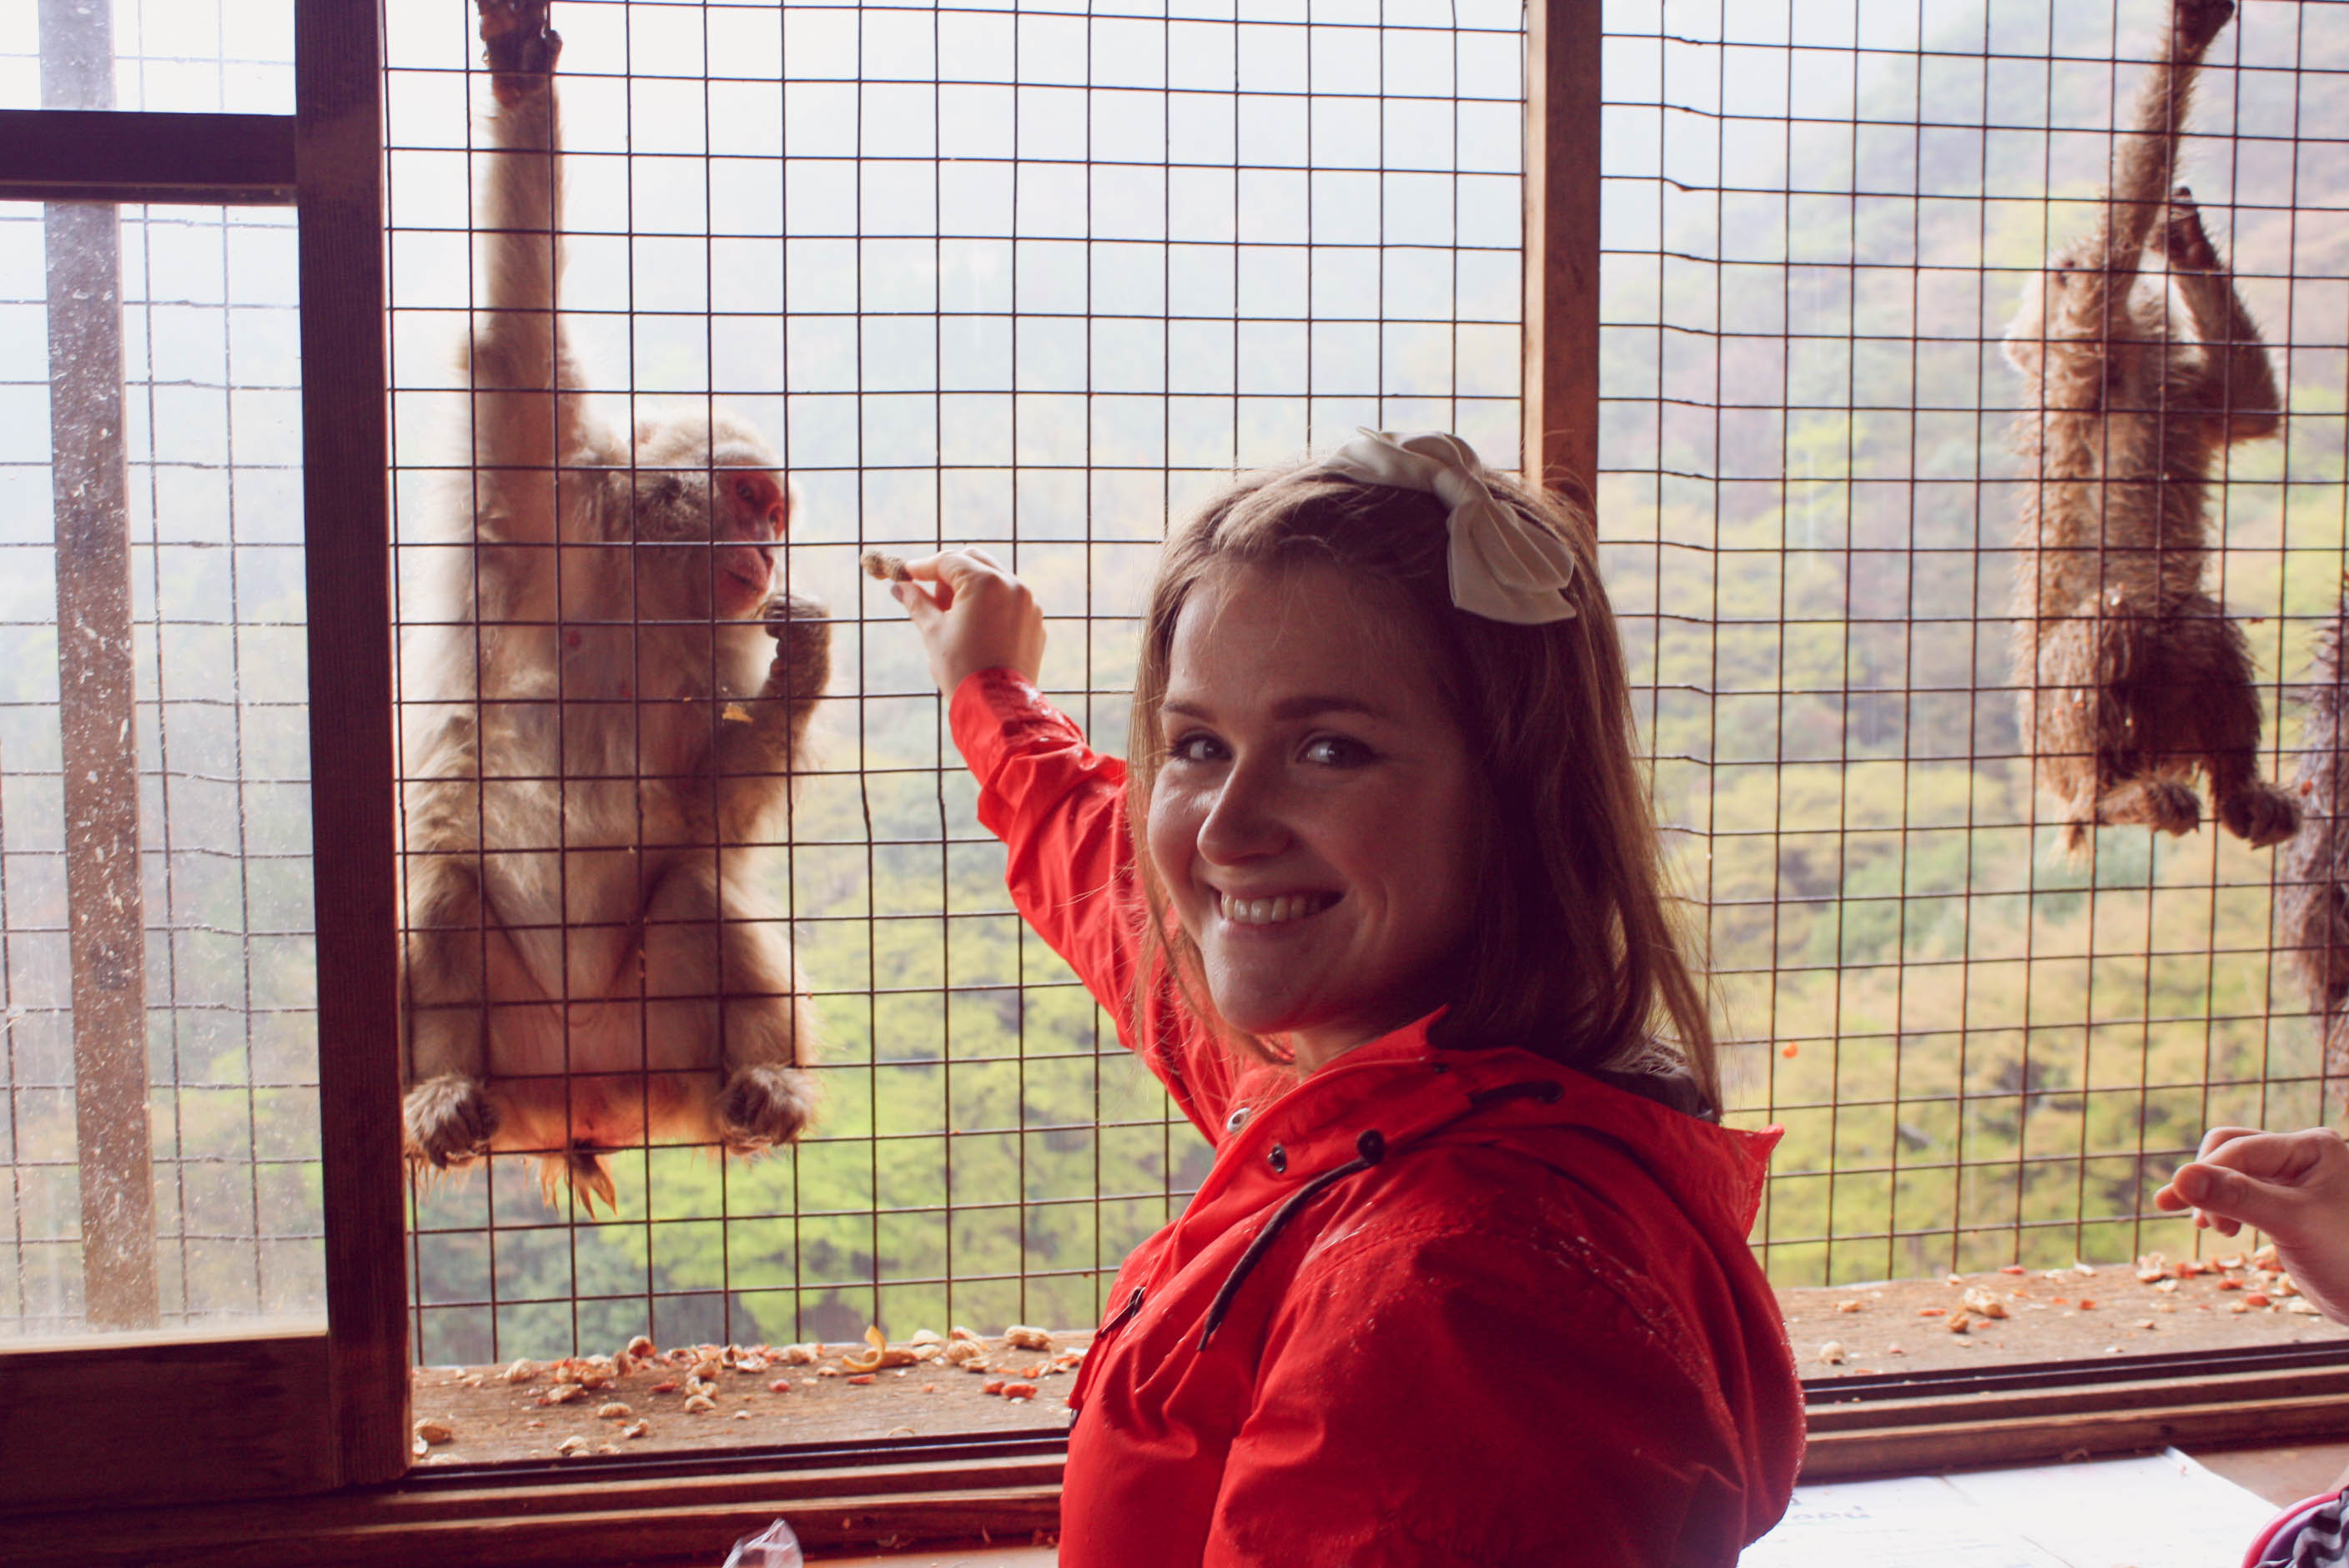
2292 1185
973 616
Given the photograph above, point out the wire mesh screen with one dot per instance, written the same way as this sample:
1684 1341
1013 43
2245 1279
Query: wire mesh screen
182 1145
1029 278
1819 222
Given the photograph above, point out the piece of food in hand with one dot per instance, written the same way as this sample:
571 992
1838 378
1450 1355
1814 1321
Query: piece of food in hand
883 567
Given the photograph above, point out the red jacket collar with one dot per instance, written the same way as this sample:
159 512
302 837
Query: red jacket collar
1405 1088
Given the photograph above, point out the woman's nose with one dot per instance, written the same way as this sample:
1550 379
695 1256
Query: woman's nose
1244 820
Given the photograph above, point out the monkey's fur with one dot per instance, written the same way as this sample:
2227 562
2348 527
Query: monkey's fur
2312 895
2133 678
599 729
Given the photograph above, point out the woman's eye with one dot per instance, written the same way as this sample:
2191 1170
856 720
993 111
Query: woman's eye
1194 748
1338 751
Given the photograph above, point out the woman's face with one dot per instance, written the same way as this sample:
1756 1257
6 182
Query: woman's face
1310 817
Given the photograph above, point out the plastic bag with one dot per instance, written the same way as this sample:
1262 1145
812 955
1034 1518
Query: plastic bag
2310 1534
773 1547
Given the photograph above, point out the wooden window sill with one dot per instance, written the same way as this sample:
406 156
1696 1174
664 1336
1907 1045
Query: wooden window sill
1006 1486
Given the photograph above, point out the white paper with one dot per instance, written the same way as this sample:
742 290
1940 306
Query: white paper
1916 1521
2160 1512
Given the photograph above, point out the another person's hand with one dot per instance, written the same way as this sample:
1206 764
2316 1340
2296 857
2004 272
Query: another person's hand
2292 1185
973 615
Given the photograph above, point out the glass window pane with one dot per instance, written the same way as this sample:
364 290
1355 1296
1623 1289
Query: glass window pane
159 1138
195 56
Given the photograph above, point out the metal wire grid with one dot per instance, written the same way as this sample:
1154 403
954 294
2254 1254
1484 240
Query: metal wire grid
1818 223
1043 278
213 441
1990 1079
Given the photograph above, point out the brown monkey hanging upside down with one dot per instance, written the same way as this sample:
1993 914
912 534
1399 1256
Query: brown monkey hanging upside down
2312 875
2133 678
600 724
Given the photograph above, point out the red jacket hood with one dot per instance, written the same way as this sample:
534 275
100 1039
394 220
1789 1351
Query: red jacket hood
1406 1091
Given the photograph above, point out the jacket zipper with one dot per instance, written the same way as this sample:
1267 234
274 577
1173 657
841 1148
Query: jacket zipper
1100 1340
1133 1304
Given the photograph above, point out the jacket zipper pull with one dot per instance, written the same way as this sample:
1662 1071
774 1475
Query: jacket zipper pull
1092 1361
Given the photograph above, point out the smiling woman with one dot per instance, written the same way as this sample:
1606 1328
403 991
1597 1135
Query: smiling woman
1380 890
1294 743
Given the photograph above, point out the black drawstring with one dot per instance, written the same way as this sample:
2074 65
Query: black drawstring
1369 1149
1545 1091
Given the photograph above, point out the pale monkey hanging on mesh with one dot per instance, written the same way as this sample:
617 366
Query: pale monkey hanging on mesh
600 729
2133 678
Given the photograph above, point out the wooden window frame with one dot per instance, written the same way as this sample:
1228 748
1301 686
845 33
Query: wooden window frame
293 1447
170 1417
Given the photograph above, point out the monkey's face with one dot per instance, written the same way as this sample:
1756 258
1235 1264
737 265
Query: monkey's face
706 523
706 543
750 511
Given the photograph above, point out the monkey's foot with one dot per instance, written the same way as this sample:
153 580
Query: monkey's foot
2182 238
803 631
763 1105
2197 22
2164 805
2260 814
448 1121
521 48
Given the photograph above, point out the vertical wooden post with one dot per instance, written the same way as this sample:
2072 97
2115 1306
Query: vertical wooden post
96 704
1561 239
346 491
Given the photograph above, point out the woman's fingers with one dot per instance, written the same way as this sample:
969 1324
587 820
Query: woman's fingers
2218 1136
2274 1155
2280 1182
921 607
2177 1192
2231 1197
972 615
952 570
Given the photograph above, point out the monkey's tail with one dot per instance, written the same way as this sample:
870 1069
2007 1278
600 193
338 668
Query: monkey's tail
588 1173
2313 897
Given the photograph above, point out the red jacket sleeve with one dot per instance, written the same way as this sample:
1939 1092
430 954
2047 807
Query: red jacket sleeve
1059 806
1401 1424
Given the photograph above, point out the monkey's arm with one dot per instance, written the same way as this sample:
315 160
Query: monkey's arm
524 410
2235 378
2144 162
759 736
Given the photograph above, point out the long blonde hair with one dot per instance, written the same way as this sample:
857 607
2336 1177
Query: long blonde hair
1574 953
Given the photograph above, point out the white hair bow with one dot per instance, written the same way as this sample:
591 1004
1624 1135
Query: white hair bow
1504 566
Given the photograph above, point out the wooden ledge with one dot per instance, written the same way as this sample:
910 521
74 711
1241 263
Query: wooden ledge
1855 1438
602 1512
1006 1487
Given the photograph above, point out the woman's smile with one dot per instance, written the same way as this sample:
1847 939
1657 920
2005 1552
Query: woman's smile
1285 909
1310 818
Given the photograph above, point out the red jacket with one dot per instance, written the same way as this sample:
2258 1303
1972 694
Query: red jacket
1428 1307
